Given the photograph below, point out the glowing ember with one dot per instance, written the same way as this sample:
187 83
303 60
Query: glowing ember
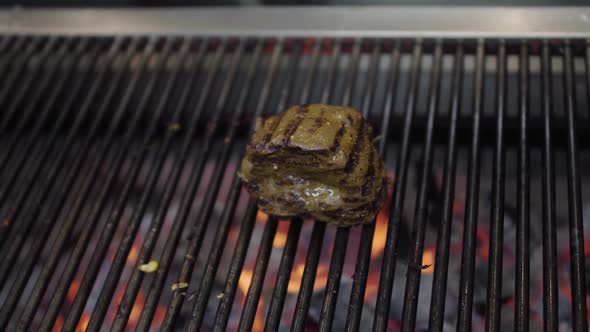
59 323
159 315
297 275
74 287
233 234
136 311
133 254
458 209
484 243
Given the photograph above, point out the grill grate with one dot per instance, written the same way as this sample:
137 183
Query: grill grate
118 151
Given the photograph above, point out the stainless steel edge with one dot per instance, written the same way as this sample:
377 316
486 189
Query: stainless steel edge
508 22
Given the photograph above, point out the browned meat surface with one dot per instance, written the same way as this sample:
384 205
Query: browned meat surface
316 160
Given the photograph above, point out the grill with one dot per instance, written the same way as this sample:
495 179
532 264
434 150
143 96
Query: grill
118 151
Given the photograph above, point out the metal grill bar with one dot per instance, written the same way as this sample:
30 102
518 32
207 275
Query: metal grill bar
99 204
80 156
251 305
17 237
12 246
418 234
247 222
136 278
152 174
92 161
342 234
62 64
213 263
199 226
317 238
255 288
364 255
290 250
186 200
223 310
41 194
33 254
43 114
53 62
521 309
116 213
284 272
8 46
497 216
48 268
204 290
132 227
549 222
26 85
576 224
471 206
396 208
217 177
441 268
15 74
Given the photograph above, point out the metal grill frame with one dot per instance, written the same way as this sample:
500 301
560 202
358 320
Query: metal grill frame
371 21
51 54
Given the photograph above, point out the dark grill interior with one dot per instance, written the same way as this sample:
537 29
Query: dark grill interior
115 152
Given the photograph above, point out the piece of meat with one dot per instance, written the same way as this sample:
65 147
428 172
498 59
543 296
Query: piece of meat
318 161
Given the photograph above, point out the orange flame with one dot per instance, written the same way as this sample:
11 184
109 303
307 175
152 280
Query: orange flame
244 285
259 318
281 235
133 254
245 281
295 282
83 324
372 284
380 235
136 311
428 258
261 217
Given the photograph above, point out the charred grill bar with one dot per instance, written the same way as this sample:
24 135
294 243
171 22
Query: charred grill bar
118 151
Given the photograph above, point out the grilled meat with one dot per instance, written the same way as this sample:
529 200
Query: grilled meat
316 160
